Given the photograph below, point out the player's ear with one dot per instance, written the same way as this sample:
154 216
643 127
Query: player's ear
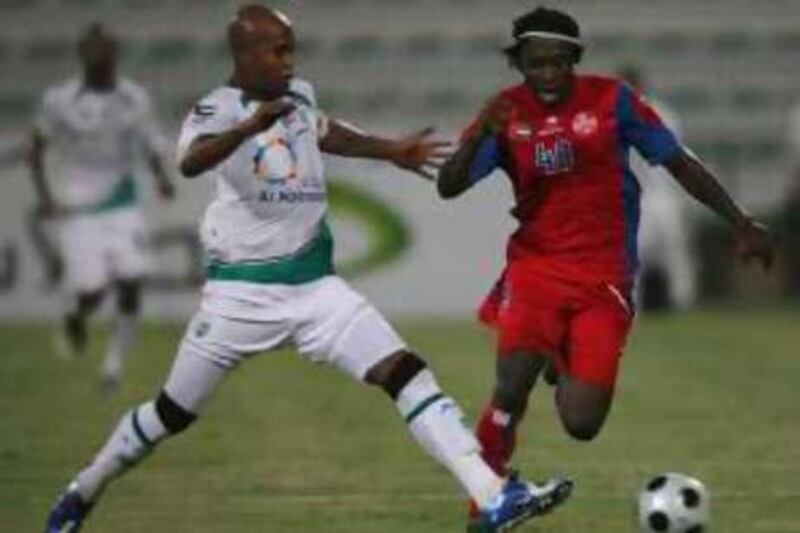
577 54
512 55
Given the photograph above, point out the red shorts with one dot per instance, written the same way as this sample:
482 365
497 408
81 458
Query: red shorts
583 325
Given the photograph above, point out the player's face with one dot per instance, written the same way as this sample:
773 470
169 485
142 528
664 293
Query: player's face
269 60
98 53
548 68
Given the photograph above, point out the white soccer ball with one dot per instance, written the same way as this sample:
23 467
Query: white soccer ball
674 503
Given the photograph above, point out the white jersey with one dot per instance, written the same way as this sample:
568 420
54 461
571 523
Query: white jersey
94 139
269 198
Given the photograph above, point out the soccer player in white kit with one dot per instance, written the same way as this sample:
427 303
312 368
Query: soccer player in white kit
89 132
271 281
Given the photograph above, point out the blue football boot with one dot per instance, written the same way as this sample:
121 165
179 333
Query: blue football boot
519 502
68 513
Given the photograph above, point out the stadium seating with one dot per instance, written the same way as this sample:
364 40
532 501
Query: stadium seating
728 66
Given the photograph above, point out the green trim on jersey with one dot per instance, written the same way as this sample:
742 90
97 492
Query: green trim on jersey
313 262
125 194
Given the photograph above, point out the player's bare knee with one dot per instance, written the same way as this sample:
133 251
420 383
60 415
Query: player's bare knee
129 298
378 374
583 422
174 417
88 302
582 428
395 372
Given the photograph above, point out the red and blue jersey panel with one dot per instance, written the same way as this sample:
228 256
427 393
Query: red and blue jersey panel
577 201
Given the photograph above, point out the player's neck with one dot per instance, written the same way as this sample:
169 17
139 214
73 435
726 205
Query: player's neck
255 93
101 81
563 99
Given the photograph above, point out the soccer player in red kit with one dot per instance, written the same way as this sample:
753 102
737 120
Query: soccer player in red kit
564 297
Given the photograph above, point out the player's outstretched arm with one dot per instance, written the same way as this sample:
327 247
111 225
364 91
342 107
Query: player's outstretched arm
417 152
207 151
459 173
753 239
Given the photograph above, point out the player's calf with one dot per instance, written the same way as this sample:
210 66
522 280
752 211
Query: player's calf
74 337
516 375
124 334
436 422
136 435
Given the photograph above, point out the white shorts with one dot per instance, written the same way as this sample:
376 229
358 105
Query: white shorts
326 321
102 247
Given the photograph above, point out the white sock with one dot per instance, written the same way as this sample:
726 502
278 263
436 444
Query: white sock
437 424
120 344
135 436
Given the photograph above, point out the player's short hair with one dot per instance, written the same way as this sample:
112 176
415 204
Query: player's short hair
547 24
95 32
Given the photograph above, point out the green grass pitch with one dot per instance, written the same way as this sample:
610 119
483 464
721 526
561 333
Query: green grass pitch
288 446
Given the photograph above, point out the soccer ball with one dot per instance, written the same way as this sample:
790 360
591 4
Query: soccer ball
674 503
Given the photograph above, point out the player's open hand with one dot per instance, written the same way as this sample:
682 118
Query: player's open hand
419 153
753 241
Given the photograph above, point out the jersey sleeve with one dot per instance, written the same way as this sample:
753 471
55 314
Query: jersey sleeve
487 158
642 127
208 116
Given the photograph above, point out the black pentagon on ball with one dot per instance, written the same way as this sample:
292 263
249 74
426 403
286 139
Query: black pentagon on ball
658 521
656 483
691 498
696 529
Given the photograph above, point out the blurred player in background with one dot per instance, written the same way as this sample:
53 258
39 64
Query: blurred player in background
87 136
565 295
667 271
271 280
791 208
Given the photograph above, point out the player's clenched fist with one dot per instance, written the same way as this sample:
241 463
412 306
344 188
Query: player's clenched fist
269 112
753 241
495 116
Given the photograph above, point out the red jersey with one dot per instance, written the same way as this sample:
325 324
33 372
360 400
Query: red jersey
577 200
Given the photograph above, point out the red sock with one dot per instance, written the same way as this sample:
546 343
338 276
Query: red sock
498 437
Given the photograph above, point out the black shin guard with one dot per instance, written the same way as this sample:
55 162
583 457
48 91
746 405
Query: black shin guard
403 372
174 417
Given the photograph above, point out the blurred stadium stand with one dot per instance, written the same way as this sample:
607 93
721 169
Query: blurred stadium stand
729 67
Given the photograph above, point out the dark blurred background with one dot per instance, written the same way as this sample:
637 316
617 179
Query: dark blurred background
727 69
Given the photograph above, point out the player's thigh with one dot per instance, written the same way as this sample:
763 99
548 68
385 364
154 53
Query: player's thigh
81 245
341 328
212 346
532 318
127 244
597 336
